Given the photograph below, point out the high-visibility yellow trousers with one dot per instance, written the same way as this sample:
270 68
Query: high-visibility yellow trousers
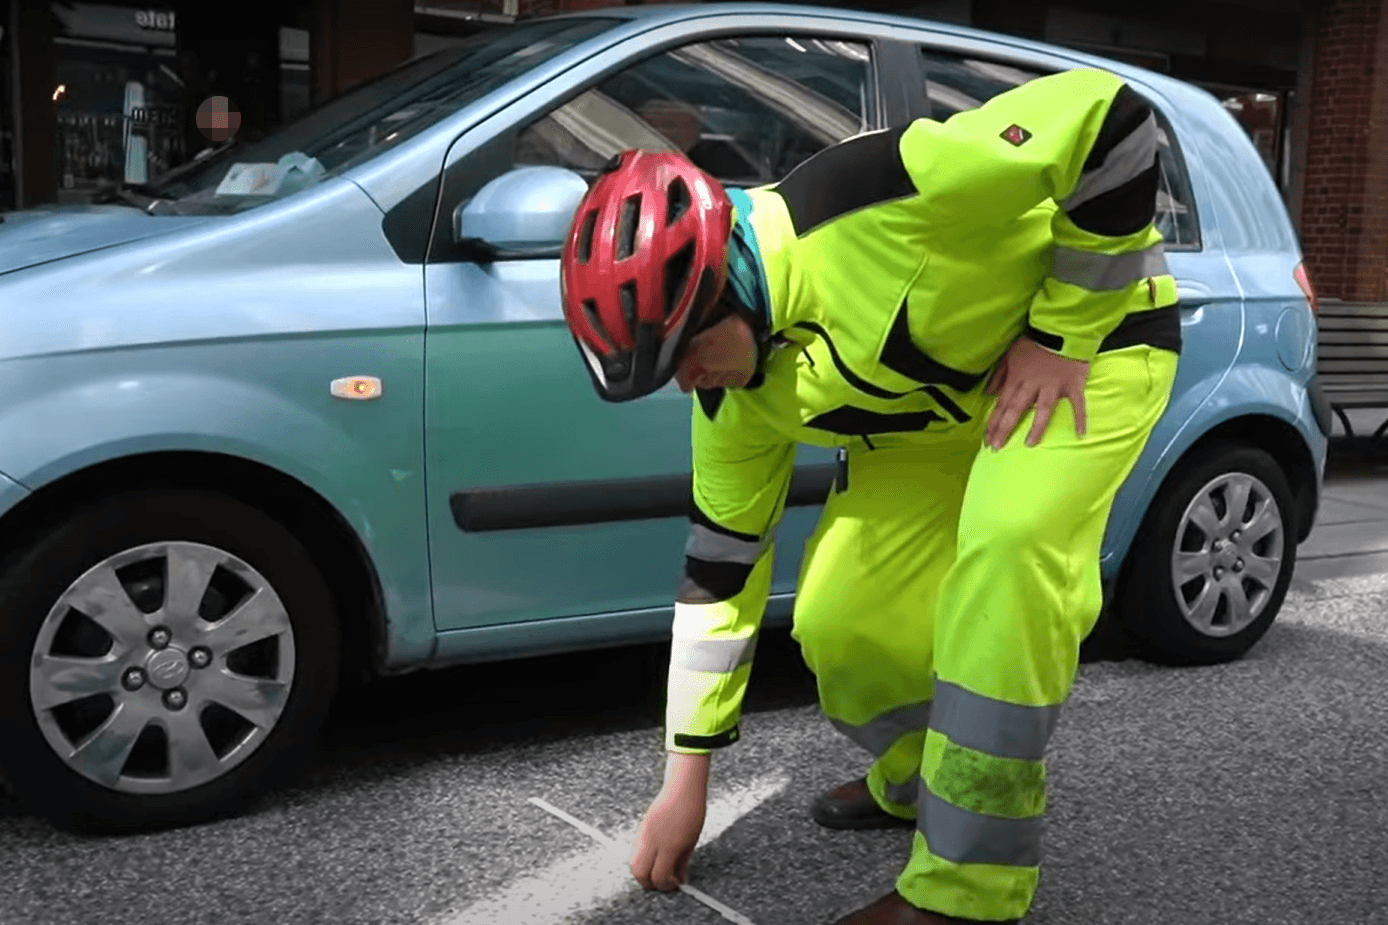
941 606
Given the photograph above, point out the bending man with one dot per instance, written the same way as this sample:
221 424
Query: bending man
978 315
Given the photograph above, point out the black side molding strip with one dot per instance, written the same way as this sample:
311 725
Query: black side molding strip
566 504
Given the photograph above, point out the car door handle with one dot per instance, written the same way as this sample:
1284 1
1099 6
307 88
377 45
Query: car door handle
1191 295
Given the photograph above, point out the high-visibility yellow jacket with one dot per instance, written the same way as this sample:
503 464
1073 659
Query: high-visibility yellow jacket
896 268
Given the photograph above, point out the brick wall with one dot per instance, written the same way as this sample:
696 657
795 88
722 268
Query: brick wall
1344 210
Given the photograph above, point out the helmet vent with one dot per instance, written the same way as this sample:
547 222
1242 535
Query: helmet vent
627 293
626 234
677 202
590 309
677 270
585 236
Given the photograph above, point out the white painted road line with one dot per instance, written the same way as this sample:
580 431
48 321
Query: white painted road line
727 912
579 824
579 884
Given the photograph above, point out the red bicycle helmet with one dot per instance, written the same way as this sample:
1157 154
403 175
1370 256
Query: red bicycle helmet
643 266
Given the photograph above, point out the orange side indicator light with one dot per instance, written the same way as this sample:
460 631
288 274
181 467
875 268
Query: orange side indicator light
357 388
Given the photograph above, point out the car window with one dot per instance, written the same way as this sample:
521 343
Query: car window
1176 218
747 110
954 84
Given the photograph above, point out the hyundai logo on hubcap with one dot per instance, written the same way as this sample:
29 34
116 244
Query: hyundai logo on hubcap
168 668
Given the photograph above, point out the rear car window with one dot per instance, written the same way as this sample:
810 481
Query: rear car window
955 83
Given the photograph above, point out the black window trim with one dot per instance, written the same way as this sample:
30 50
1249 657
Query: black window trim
899 63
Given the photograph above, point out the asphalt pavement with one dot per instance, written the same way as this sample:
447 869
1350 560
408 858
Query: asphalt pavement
1245 793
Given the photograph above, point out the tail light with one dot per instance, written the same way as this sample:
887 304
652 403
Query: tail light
1304 281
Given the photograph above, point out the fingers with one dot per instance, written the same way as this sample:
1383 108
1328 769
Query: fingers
1045 405
642 860
1077 402
664 875
682 868
1007 413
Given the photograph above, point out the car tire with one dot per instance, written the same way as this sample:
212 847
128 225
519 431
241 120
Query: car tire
257 681
1202 582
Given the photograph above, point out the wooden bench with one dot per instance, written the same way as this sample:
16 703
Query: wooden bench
1353 359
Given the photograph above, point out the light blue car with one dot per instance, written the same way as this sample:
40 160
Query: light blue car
306 409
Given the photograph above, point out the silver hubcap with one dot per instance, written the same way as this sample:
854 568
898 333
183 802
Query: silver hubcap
1228 554
162 668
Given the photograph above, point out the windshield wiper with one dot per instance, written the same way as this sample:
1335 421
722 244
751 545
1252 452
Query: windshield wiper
140 195
200 159
148 193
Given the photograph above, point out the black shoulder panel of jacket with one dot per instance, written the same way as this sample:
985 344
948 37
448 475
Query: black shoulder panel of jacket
845 177
1123 210
1127 111
1130 207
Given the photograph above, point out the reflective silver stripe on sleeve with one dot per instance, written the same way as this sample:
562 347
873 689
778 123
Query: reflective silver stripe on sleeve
877 735
1100 272
904 793
712 546
1006 730
973 838
1125 161
715 655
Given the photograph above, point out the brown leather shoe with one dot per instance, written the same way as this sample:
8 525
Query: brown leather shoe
851 806
893 909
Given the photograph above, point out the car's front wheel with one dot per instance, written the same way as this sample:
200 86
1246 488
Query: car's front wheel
1210 566
165 656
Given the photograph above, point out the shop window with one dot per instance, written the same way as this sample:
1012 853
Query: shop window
118 97
747 110
955 84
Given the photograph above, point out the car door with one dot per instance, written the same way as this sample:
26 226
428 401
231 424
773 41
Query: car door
545 501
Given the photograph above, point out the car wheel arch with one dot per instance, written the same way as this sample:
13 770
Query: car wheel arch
328 536
1272 434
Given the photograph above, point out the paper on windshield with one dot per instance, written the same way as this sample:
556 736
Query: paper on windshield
250 180
289 174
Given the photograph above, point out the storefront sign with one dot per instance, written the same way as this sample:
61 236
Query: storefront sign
153 19
159 116
103 22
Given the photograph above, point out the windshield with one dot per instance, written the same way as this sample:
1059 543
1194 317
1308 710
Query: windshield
362 123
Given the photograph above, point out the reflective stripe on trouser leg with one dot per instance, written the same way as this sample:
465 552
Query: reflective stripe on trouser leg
895 740
1023 592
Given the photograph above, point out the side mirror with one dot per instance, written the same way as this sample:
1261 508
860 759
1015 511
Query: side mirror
522 213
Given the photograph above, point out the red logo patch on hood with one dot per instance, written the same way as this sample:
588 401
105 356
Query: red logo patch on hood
1016 135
